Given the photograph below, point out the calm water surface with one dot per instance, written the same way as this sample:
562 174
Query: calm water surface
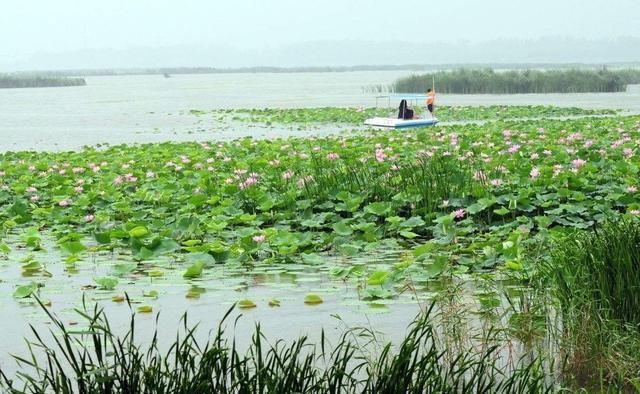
151 108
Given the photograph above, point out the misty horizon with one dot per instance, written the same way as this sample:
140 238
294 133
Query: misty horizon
343 53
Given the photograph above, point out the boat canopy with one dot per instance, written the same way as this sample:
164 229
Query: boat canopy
413 98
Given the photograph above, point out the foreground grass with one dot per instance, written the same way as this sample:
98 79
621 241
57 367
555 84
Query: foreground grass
597 281
95 360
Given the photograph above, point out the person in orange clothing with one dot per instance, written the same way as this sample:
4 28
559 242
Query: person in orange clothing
431 98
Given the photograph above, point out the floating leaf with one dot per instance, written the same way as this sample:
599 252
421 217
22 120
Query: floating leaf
274 302
32 266
312 299
124 268
145 309
25 291
106 282
246 304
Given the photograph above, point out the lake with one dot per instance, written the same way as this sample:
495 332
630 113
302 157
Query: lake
151 108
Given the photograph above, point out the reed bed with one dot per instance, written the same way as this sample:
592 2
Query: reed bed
488 81
7 81
597 282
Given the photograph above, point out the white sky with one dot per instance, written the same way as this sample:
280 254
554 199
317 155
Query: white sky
35 26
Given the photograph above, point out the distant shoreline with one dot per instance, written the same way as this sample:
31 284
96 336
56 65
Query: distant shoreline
314 69
20 82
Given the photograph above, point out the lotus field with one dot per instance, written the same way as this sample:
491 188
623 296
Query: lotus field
463 215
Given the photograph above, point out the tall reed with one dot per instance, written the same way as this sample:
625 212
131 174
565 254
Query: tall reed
597 282
95 360
487 81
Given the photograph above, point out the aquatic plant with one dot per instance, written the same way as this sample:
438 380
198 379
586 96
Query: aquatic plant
64 363
488 81
10 81
309 117
595 276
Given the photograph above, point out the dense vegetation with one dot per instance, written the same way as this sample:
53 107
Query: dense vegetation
488 81
8 81
356 116
595 276
470 201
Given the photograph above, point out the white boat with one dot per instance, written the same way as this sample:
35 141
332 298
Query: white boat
400 123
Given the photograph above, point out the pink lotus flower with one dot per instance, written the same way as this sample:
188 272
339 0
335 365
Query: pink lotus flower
514 148
332 156
534 173
577 163
627 152
89 218
287 174
635 212
632 189
117 180
35 197
496 182
459 213
259 238
31 190
151 174
250 181
64 203
78 189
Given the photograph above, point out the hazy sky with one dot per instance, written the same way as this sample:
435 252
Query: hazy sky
36 26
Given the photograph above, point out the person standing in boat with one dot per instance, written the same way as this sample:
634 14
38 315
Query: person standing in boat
430 101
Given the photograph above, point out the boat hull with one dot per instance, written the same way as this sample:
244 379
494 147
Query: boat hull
393 123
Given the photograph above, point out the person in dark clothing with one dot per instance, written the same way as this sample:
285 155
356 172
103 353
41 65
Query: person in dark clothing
404 112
